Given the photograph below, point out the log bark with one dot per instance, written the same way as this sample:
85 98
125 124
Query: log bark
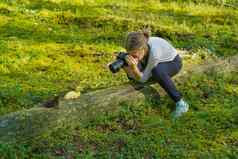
27 124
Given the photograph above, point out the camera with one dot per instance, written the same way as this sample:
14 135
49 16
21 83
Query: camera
119 63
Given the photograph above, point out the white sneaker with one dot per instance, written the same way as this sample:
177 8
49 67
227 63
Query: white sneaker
181 107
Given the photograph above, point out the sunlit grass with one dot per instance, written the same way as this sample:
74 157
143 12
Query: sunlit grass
47 47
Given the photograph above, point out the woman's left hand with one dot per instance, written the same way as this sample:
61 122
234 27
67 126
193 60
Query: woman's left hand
131 61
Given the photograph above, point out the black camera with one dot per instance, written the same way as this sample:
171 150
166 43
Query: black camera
119 63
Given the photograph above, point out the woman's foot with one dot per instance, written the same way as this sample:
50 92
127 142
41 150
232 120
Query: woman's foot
181 107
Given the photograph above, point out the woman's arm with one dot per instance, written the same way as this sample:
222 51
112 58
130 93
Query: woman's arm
129 72
137 73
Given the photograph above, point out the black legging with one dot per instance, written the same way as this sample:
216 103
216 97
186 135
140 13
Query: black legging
163 72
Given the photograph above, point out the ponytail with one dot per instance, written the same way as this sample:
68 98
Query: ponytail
146 33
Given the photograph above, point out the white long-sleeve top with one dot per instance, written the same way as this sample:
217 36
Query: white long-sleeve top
160 51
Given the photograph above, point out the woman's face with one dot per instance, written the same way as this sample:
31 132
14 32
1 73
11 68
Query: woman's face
137 54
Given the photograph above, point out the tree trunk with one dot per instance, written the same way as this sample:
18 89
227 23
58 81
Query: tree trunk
37 121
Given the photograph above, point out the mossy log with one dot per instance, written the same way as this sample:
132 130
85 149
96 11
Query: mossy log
27 124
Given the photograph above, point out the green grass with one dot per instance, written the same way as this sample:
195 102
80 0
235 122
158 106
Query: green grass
51 46
209 130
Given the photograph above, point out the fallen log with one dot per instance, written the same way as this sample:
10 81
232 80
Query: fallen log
27 124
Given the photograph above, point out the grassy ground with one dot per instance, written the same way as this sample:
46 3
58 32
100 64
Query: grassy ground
50 46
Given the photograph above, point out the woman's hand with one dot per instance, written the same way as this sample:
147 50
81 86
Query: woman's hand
131 61
132 69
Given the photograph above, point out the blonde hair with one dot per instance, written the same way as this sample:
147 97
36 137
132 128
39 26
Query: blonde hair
136 40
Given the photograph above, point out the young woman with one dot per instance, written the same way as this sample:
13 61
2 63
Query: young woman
154 58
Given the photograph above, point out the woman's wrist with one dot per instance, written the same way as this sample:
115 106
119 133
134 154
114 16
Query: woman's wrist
134 68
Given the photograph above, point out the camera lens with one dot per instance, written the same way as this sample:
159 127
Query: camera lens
115 66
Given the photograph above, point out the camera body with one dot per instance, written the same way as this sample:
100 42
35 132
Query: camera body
119 63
